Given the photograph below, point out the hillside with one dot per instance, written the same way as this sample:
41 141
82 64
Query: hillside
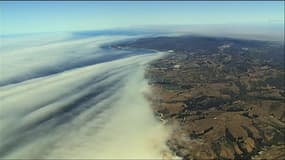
225 97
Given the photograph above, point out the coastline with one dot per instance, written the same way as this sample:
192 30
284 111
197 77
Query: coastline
216 115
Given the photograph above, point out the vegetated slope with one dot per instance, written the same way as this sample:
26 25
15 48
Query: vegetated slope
225 96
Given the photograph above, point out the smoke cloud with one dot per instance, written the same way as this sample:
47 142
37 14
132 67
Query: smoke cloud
71 98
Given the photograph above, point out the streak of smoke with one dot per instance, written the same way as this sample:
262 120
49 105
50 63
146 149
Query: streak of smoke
92 111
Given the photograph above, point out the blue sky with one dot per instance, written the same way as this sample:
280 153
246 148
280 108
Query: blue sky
30 17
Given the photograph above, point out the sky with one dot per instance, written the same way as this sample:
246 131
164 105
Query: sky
35 17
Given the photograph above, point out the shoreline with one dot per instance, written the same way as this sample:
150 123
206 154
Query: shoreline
217 108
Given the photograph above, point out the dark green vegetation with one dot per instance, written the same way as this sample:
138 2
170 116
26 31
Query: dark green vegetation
224 96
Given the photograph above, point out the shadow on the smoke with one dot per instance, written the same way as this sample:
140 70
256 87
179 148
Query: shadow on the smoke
50 122
107 56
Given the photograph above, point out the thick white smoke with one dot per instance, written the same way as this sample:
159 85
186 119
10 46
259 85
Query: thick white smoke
87 110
